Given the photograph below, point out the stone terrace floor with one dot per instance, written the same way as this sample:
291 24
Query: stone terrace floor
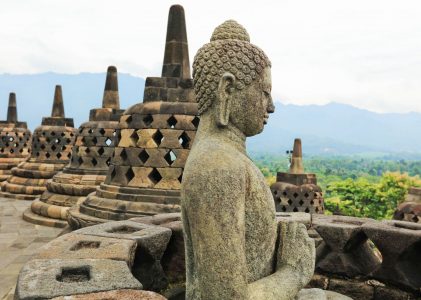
19 240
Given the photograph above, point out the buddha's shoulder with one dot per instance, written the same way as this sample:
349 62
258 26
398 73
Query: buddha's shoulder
216 156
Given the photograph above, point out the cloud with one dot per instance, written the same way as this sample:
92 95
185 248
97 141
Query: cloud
364 53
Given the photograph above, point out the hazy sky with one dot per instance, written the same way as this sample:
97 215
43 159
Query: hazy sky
361 52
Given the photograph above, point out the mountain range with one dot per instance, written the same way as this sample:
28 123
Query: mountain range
331 129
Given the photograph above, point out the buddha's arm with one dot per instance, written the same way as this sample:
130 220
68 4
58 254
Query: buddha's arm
217 228
295 265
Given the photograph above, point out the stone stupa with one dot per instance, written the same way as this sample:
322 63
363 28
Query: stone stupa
15 140
51 151
154 141
91 157
297 191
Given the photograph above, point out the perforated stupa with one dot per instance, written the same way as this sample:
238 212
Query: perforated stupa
15 140
297 191
154 141
91 157
51 150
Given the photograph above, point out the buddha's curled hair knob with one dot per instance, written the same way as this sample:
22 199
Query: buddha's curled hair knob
229 50
230 30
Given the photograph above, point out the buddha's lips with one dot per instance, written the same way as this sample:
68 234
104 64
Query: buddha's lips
265 119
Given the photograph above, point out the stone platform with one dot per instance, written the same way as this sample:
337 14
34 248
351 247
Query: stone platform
355 256
19 240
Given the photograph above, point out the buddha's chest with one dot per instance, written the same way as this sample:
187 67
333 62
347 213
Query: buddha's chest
261 231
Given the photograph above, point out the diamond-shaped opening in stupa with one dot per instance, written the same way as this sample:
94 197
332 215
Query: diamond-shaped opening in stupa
158 137
154 176
129 175
143 156
172 121
184 140
170 157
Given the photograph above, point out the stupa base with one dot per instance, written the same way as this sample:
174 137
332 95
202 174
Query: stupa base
6 165
113 203
77 220
30 217
63 192
28 180
18 196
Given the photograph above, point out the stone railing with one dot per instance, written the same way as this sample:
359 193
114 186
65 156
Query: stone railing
362 258
367 259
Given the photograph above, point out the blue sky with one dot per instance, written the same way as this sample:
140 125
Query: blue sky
366 53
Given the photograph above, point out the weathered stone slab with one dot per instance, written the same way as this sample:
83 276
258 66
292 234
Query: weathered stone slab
49 278
80 246
400 245
173 260
318 294
356 290
345 249
115 295
299 217
151 240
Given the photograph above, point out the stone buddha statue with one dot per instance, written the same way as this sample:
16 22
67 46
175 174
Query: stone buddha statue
234 246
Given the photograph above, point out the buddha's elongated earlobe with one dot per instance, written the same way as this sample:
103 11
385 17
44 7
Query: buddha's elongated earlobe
225 90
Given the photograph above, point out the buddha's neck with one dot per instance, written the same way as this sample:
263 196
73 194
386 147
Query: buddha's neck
227 134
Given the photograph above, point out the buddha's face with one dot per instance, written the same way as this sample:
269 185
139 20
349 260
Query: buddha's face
251 106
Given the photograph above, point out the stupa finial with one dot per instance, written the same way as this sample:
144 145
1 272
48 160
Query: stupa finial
58 107
176 57
297 158
111 98
12 114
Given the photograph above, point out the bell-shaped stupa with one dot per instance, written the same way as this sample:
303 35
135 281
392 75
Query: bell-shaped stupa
51 150
297 191
153 143
91 157
15 140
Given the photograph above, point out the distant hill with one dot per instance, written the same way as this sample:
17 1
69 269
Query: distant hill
339 129
325 129
81 92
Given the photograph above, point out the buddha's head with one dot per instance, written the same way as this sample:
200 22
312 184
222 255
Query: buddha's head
232 80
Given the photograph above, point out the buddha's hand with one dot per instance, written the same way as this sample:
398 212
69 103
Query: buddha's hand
296 251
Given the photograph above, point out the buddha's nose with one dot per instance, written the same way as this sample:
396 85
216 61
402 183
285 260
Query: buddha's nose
271 107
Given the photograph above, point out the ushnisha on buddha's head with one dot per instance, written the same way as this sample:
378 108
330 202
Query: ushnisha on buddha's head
232 80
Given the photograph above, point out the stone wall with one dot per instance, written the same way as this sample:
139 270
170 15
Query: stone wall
367 259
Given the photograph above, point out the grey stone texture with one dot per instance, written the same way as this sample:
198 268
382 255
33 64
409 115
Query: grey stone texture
49 278
80 246
173 260
410 209
126 294
317 294
151 243
345 249
153 143
234 248
19 241
400 246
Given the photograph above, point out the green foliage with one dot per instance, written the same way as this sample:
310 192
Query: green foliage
361 187
361 198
